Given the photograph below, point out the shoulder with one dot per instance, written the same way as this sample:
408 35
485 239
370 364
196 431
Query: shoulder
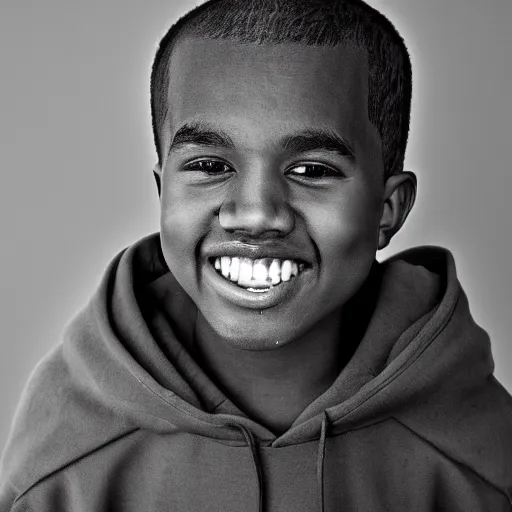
58 420
474 430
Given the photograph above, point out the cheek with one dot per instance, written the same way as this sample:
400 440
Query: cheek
183 208
176 221
346 234
182 226
346 226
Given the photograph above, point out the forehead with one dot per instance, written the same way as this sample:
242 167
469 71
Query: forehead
261 89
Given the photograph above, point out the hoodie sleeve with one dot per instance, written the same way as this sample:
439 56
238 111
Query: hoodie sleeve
27 449
52 428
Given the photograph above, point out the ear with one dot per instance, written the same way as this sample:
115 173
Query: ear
157 173
399 197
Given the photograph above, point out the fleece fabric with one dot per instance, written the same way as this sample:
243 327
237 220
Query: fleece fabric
120 417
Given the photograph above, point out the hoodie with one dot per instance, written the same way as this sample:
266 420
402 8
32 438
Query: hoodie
120 417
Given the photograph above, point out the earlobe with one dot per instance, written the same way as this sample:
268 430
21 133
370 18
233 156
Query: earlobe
157 173
399 197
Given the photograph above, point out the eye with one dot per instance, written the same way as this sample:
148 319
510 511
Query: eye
314 171
210 167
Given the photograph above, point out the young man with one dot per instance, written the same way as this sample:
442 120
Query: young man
254 355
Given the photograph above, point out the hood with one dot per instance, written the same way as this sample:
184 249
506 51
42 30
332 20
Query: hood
125 364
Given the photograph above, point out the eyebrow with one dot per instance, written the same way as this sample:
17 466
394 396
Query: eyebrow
318 140
203 134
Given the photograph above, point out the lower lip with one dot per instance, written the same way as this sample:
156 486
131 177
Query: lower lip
254 300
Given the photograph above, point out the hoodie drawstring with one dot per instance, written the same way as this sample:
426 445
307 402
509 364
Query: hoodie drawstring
251 443
320 462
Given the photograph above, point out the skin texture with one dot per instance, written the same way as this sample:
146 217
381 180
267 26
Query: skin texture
257 95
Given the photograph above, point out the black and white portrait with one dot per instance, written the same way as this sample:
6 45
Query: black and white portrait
256 256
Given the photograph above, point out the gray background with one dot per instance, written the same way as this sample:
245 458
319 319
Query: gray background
76 156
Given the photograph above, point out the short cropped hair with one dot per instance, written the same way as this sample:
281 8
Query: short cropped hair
313 23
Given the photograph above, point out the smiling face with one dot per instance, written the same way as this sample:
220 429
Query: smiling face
271 166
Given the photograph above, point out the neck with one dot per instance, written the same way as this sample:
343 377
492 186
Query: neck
275 386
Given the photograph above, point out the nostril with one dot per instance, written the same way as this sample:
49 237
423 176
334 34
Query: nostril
255 219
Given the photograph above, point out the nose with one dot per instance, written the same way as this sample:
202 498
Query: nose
256 204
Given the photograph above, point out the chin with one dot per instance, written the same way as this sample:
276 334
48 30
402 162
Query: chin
254 335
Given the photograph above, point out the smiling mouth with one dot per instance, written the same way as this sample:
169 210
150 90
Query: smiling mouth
257 275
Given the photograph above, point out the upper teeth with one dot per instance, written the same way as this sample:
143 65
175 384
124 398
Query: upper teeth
261 273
